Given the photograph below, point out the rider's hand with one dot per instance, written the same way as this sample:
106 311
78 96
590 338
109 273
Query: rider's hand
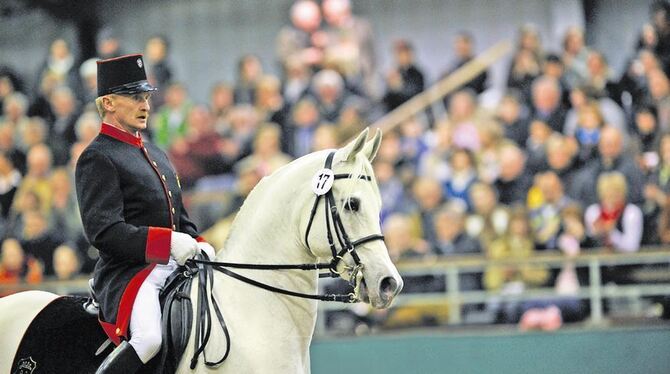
208 249
182 247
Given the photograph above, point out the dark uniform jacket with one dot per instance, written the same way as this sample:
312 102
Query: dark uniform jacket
130 201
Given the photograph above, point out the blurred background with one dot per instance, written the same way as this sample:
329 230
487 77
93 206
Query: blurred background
525 195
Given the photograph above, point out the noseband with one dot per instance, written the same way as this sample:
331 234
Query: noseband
331 213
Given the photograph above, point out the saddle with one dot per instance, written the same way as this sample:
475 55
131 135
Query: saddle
67 334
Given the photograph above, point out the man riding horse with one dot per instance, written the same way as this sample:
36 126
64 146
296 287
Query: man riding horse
130 202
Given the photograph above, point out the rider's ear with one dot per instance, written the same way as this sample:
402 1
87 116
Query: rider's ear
371 147
349 151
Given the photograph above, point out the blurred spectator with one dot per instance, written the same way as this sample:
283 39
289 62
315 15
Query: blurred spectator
659 96
14 111
40 105
427 194
560 158
108 44
34 132
299 134
462 119
401 242
7 84
660 17
60 63
169 122
656 189
16 266
87 90
351 122
464 49
546 219
296 81
646 138
66 263
87 127
492 141
391 188
325 137
613 222
575 56
36 180
489 219
269 102
10 179
412 142
526 66
435 161
601 77
510 114
611 157
329 94
301 41
198 153
610 112
450 235
462 177
514 179
553 68
238 138
547 105
11 150
511 278
62 129
266 156
539 134
64 208
249 72
159 71
220 104
587 134
350 47
405 79
40 239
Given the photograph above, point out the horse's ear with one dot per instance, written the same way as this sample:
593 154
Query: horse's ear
372 146
348 152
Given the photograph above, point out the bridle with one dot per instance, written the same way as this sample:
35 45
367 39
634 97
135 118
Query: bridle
325 178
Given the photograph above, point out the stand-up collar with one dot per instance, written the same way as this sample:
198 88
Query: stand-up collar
120 135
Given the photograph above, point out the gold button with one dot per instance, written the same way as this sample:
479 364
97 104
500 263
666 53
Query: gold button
118 331
163 176
174 227
172 210
154 162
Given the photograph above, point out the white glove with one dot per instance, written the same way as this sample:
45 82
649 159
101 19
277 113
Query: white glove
182 247
208 249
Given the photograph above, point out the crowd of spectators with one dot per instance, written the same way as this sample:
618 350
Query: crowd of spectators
573 156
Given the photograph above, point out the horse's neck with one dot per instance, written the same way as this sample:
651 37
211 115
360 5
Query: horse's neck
267 231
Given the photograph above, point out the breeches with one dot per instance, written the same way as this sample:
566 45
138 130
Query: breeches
145 319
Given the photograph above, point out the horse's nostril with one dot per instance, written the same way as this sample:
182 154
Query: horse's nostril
388 286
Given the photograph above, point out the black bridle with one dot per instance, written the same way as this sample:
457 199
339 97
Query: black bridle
346 246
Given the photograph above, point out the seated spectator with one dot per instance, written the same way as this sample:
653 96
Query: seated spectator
391 188
238 138
325 137
87 90
298 136
511 277
296 42
546 219
87 127
158 67
488 219
40 239
169 122
412 141
10 179
220 104
610 111
656 189
492 141
560 159
587 133
16 266
462 120
514 180
450 235
435 161
66 263
296 80
427 194
575 56
267 156
547 105
14 111
613 222
659 96
536 146
525 68
269 102
611 157
515 125
249 72
463 45
10 148
64 208
463 177
351 122
62 129
329 95
37 178
646 138
601 77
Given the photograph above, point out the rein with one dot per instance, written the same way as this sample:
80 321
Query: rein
204 267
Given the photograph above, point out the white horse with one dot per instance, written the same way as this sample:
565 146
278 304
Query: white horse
271 332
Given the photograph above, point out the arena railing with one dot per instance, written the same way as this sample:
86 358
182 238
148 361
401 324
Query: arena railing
595 292
450 268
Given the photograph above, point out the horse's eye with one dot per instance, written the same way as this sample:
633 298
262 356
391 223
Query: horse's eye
352 204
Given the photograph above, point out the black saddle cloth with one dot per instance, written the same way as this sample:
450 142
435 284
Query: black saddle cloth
62 338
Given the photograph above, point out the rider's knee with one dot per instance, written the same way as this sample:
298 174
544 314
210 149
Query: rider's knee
147 344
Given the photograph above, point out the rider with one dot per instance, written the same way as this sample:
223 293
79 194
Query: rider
130 202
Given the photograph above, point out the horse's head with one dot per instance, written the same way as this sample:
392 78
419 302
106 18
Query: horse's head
349 194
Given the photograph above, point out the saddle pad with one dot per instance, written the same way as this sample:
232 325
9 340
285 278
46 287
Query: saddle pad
62 338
